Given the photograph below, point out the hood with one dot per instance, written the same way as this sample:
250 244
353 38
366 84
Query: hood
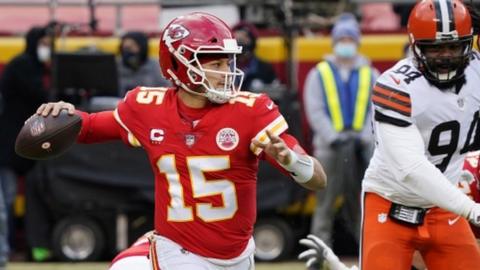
142 40
32 38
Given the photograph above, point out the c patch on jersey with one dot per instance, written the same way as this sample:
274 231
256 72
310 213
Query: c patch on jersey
227 139
391 99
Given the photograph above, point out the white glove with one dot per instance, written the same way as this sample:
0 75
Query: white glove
319 251
474 216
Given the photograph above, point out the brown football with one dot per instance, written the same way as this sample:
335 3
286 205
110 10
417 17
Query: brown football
47 137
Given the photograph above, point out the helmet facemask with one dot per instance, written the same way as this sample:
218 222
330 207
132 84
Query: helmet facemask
444 70
197 75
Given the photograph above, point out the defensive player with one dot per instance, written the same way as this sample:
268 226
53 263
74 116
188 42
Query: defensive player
204 139
426 115
318 251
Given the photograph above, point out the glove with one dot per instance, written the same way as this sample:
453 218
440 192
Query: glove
474 216
318 251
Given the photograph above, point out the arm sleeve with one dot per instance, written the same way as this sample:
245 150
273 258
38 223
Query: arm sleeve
404 151
265 116
315 110
99 127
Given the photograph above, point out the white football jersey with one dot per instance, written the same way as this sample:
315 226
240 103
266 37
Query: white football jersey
447 122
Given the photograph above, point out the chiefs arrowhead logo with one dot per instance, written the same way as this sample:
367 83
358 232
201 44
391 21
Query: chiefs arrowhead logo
175 32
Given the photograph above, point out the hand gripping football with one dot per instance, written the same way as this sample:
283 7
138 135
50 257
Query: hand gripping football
47 137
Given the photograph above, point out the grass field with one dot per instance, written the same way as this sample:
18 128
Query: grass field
104 266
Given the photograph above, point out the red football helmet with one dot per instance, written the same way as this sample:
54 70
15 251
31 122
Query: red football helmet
189 37
434 23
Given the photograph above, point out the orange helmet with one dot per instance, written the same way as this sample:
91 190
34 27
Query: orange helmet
438 23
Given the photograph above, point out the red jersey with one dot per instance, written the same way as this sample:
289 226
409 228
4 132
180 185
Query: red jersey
205 173
472 186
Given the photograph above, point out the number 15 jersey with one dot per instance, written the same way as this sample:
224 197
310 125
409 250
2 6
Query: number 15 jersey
446 120
205 190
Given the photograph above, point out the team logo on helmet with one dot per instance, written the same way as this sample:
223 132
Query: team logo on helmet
227 139
175 32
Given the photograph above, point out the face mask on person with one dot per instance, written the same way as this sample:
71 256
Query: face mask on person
43 53
345 49
131 59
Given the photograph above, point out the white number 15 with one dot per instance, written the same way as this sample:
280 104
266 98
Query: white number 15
201 187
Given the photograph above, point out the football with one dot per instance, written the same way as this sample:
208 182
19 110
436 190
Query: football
47 137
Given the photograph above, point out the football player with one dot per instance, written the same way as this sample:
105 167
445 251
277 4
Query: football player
426 113
318 251
204 139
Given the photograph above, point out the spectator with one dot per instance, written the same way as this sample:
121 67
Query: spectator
204 157
23 86
257 72
336 99
135 67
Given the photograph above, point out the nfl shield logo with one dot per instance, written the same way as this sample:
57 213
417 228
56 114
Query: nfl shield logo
382 217
190 140
38 127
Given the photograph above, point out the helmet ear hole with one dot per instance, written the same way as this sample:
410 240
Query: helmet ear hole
174 62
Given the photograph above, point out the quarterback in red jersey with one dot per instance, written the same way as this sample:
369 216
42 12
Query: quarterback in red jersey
204 139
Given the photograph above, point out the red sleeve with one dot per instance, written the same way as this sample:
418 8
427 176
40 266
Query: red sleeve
99 127
292 143
265 116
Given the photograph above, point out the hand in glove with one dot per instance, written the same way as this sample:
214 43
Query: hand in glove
318 251
474 216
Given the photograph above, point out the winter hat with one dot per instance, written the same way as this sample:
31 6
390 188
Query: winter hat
346 26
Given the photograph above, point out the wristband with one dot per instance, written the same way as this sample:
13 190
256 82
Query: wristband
300 167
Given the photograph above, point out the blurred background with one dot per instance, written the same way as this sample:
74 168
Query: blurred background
98 199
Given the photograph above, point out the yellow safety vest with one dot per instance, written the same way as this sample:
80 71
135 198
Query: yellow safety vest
333 102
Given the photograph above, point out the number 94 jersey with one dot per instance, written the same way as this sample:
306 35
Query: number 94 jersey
447 121
205 174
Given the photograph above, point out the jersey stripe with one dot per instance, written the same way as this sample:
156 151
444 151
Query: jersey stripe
389 98
380 117
131 138
277 127
444 15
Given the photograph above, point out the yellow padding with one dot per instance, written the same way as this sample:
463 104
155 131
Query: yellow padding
270 49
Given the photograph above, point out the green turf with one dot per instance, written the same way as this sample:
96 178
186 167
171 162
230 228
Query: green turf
104 266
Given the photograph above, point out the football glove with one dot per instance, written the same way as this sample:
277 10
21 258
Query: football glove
474 216
318 251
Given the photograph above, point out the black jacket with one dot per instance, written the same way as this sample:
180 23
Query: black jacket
22 90
257 69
